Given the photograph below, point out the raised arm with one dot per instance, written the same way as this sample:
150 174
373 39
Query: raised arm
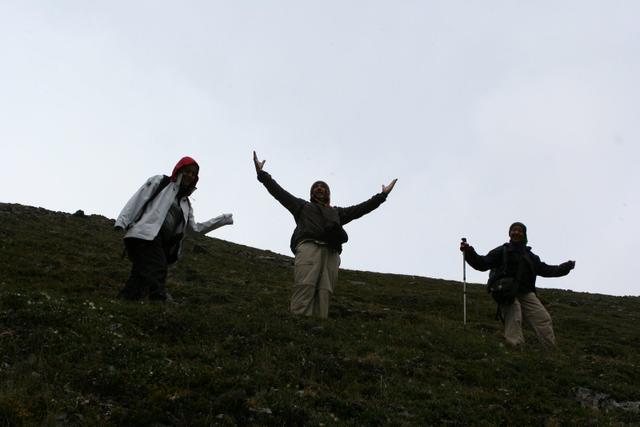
546 270
478 262
350 213
290 202
210 225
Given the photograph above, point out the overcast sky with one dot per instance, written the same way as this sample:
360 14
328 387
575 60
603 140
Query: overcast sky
487 112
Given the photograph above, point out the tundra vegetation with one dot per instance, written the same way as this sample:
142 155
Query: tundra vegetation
393 352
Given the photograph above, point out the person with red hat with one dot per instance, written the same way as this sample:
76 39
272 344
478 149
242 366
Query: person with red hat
512 283
317 239
156 219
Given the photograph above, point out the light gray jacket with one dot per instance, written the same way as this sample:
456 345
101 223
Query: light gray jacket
148 226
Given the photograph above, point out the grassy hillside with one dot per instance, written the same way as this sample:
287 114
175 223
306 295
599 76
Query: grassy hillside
394 351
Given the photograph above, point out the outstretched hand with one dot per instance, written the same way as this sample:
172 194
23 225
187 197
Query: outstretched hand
258 164
387 189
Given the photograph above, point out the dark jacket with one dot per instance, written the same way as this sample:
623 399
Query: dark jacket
317 222
522 264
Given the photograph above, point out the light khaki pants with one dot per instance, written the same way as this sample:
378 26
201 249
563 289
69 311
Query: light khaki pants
529 307
315 276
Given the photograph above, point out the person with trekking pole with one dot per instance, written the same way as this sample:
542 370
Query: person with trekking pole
156 219
317 239
512 280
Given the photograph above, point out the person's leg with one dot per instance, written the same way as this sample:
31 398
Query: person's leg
148 271
513 323
133 288
307 270
539 318
327 282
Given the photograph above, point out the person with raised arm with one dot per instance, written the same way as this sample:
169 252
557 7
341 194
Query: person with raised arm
317 239
512 283
156 219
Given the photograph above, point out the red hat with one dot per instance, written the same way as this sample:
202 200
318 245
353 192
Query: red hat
185 161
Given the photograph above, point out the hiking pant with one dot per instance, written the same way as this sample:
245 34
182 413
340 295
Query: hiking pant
149 270
315 275
529 307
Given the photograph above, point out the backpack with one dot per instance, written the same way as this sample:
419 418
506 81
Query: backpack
502 287
161 186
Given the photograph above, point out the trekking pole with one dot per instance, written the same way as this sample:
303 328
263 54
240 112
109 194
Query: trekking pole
464 286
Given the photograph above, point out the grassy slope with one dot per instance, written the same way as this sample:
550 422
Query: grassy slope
394 351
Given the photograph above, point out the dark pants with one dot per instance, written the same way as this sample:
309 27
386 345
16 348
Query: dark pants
149 269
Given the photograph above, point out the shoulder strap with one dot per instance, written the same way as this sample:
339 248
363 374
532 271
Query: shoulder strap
500 307
161 186
504 260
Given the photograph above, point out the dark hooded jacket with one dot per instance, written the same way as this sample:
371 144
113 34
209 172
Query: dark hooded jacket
522 264
317 222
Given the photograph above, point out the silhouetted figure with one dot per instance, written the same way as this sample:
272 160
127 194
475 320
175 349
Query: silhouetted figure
156 219
317 240
517 267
